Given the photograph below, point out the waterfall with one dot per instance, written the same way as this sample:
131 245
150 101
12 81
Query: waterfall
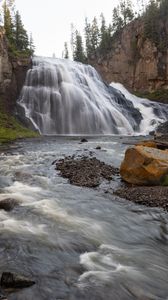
65 97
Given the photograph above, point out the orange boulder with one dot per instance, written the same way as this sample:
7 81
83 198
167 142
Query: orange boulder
145 166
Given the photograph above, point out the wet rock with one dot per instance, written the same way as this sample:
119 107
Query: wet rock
12 280
153 196
8 204
148 143
145 166
85 171
162 130
2 295
98 148
83 140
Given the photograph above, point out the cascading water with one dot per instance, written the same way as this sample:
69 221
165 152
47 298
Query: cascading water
65 97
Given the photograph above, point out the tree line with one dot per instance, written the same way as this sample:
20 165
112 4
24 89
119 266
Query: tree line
19 42
98 36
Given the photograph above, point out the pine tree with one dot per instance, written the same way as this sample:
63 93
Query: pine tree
8 24
94 36
126 11
88 44
72 41
105 36
79 50
117 22
21 36
31 44
66 52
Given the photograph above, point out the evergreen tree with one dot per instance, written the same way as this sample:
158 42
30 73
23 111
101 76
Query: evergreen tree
66 52
126 11
151 21
117 23
72 41
79 50
94 36
105 36
21 36
103 29
8 24
88 44
31 44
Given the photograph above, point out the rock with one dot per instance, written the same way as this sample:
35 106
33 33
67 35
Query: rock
145 166
12 280
161 136
146 72
85 171
162 130
84 140
149 143
8 204
152 196
98 148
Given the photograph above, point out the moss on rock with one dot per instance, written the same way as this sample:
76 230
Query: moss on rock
11 129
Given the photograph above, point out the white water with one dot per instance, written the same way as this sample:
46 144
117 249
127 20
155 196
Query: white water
78 243
146 107
65 97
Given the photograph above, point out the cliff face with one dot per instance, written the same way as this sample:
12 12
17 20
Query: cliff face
12 75
134 61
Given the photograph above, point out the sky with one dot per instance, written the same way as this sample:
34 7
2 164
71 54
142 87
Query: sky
50 20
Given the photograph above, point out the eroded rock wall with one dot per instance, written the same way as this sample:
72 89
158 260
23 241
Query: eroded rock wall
134 61
12 75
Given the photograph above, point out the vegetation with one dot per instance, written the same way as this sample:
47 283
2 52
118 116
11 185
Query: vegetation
19 43
98 37
11 129
159 95
155 19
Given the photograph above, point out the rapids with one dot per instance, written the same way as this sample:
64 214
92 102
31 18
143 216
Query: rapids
65 97
78 243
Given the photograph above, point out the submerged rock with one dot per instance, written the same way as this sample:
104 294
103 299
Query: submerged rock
12 280
85 171
8 204
145 166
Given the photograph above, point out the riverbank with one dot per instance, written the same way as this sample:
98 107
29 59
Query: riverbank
11 129
151 196
88 171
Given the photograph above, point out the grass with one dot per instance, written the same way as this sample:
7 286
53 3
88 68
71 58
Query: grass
11 129
159 95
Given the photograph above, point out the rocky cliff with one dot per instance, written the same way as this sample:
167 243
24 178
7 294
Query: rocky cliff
12 75
134 60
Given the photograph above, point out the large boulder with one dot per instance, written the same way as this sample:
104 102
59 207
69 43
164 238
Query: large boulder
145 166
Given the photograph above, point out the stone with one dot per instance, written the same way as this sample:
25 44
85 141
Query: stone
84 140
149 143
145 166
8 204
162 130
12 280
98 148
85 171
146 72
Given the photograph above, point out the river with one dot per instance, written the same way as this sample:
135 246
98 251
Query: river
78 243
